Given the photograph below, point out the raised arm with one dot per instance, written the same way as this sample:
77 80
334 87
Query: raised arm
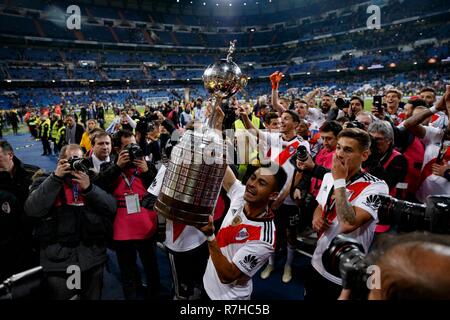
275 79
312 95
414 125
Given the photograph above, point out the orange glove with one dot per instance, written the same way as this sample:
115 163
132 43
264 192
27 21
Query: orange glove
275 78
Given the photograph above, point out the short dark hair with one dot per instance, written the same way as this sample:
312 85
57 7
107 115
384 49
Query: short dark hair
98 133
359 99
270 116
427 89
327 95
280 178
6 147
301 100
73 146
117 138
357 134
293 114
402 268
418 102
331 126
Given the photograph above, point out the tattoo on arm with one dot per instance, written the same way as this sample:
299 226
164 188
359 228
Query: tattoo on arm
344 209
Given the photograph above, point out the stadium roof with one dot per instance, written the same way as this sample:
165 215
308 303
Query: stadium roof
213 7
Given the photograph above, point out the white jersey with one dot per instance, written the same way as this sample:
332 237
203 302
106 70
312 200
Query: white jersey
430 183
315 116
248 243
280 152
362 193
179 236
439 120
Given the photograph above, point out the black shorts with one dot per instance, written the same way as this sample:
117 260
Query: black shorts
287 216
188 269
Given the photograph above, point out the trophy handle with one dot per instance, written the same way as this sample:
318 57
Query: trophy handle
216 101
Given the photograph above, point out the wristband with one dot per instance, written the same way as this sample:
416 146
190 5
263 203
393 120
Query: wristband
339 183
447 174
433 110
211 238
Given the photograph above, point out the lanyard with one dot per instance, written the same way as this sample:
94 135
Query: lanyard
75 191
331 202
129 182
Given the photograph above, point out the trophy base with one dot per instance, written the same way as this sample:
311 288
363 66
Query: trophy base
182 212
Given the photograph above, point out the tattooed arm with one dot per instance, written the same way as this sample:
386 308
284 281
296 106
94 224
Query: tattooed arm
350 218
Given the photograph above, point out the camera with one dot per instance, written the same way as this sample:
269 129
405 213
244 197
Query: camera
434 216
25 285
134 151
354 124
344 258
79 164
302 154
342 103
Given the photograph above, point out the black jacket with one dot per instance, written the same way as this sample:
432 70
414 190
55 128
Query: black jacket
70 234
16 248
78 133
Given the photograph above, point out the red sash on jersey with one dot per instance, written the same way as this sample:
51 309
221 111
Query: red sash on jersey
354 189
232 234
177 229
287 152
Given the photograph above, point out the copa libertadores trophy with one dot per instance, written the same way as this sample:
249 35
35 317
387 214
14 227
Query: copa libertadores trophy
197 165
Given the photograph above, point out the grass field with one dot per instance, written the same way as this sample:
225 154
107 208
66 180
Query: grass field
109 116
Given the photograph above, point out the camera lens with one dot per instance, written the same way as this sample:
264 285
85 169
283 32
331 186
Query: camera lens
302 154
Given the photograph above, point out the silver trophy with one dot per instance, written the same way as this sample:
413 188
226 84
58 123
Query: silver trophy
197 165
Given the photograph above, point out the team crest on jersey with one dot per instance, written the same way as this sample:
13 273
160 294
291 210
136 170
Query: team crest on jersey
237 220
242 234
6 208
291 149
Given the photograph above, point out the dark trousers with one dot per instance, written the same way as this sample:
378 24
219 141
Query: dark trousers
319 288
188 269
126 256
91 285
46 146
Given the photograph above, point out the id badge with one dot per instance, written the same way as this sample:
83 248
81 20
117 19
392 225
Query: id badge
132 203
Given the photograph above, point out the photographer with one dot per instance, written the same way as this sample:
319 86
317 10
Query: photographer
348 203
334 110
134 226
73 222
385 162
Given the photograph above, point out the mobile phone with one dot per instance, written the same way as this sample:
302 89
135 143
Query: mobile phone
377 102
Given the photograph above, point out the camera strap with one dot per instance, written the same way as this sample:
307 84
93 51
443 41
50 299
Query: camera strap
331 201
